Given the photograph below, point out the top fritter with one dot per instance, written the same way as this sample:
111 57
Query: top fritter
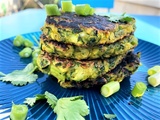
86 31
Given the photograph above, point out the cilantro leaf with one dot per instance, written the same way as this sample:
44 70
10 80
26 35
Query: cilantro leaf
109 116
32 100
114 18
120 18
126 19
51 99
71 108
20 77
2 74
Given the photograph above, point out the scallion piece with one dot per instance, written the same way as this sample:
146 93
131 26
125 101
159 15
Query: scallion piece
110 88
139 89
154 79
154 70
36 52
18 112
28 43
18 41
52 9
84 9
25 53
91 12
67 6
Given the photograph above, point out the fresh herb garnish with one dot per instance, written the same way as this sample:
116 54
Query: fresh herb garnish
51 99
126 19
32 100
21 77
68 108
71 108
26 75
120 18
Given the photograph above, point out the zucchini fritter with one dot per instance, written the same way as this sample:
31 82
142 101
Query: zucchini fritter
86 51
126 68
76 70
83 31
62 50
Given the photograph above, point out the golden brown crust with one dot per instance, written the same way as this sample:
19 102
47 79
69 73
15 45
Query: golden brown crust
126 68
63 50
75 21
93 30
76 70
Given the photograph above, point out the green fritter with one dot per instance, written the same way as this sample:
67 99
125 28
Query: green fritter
75 70
62 50
126 68
86 31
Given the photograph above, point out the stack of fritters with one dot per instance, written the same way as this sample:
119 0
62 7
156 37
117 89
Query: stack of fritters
87 51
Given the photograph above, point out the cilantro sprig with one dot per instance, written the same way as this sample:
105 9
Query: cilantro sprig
120 18
20 77
26 75
71 108
51 99
32 100
68 108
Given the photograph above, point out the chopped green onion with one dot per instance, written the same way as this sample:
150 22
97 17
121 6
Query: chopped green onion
154 70
34 61
154 79
67 6
84 9
139 89
28 43
91 12
18 41
25 53
36 52
18 112
134 41
52 9
110 88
